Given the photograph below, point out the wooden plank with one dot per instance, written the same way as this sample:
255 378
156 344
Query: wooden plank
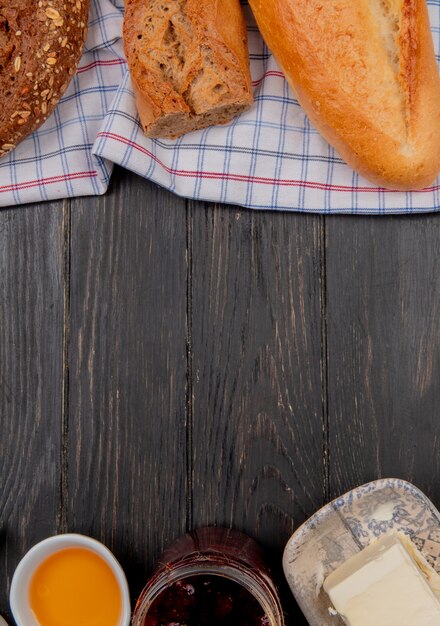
383 312
31 367
127 421
257 412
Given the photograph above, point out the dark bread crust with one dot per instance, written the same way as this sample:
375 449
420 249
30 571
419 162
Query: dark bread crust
189 63
41 43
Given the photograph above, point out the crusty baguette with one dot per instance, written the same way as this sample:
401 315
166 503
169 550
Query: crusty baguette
40 46
366 74
188 61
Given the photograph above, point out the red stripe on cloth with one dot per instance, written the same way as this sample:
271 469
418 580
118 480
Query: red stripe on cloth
255 83
90 66
260 180
47 181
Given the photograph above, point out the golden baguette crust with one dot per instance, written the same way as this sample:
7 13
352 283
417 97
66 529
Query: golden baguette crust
40 46
366 74
188 61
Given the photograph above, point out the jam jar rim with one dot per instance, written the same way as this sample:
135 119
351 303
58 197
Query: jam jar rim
238 573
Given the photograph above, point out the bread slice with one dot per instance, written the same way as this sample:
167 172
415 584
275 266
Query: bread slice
40 46
366 74
189 63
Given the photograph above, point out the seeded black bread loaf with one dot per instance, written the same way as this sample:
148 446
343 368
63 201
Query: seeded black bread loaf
40 45
189 63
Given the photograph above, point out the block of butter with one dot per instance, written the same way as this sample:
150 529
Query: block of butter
386 584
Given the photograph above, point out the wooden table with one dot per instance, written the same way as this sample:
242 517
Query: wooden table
166 364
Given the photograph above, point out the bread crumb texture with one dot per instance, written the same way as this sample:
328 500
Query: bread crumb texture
188 73
41 42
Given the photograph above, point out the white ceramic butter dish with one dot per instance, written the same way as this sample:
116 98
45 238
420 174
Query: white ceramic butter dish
348 525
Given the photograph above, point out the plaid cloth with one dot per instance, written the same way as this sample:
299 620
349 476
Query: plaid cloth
268 158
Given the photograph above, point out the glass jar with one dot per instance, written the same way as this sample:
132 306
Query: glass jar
213 552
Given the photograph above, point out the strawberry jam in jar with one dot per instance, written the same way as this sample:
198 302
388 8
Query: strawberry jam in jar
210 577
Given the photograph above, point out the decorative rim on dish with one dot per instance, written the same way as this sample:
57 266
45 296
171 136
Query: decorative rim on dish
346 526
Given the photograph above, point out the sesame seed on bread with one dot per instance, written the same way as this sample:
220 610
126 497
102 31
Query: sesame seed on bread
41 43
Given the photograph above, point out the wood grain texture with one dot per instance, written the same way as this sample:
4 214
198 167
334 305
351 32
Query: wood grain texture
383 312
257 413
31 364
127 461
165 366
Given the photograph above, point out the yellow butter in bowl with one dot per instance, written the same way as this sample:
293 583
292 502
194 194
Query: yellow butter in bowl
389 583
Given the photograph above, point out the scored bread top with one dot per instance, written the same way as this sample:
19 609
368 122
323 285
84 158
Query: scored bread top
40 45
188 61
366 74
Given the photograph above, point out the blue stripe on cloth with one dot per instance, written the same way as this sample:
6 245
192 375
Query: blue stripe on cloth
175 163
354 196
281 144
330 170
227 151
39 166
63 152
200 160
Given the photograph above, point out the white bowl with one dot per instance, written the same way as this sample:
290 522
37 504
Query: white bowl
19 594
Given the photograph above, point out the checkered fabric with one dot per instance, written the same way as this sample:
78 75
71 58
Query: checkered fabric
269 158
